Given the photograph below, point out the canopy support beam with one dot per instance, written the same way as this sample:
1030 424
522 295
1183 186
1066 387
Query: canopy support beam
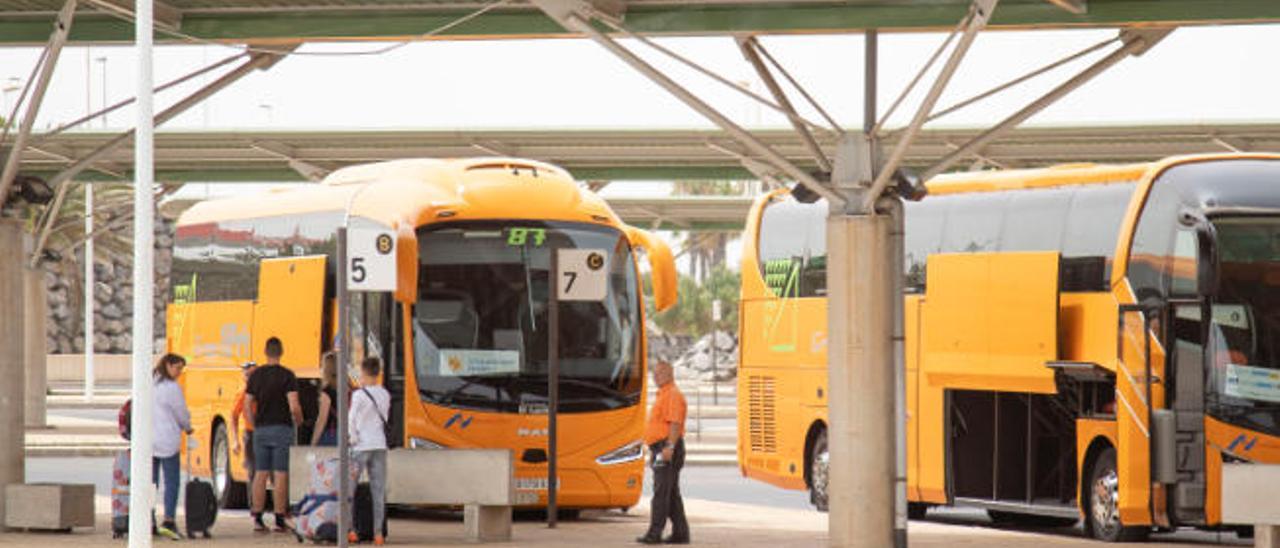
49 59
256 61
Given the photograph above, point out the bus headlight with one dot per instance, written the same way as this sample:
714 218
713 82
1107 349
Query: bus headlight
627 453
420 443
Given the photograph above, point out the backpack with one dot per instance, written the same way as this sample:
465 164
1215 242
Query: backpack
125 418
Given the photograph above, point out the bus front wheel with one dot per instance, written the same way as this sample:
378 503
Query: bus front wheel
231 493
819 472
1103 517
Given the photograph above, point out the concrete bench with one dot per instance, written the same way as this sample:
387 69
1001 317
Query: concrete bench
1249 498
48 506
482 481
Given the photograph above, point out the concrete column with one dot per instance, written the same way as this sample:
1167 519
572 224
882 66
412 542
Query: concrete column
861 380
1266 536
12 355
35 350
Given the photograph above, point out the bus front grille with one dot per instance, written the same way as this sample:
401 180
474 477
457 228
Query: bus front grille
761 419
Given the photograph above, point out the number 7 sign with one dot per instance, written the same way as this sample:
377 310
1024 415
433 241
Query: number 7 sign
583 276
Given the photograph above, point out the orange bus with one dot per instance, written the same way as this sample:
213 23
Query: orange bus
464 335
1082 341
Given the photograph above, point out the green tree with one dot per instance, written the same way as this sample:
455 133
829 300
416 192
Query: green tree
691 314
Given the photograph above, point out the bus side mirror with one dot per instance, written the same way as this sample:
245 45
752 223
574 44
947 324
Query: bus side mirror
1206 251
406 264
662 266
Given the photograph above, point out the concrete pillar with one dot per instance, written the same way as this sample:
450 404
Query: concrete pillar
861 380
12 355
1266 536
35 350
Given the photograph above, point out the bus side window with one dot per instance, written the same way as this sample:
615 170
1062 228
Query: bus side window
925 220
973 222
1035 220
1093 223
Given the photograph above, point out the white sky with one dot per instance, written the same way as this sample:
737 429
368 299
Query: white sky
1210 74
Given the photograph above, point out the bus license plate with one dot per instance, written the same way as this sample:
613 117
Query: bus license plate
533 484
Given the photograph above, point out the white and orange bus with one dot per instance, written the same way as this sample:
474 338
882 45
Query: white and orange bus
464 336
1082 342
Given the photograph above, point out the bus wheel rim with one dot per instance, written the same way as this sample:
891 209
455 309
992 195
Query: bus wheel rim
821 468
220 477
1106 502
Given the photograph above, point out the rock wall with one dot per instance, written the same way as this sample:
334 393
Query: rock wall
113 300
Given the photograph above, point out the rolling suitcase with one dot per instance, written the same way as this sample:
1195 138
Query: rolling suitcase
120 495
363 511
201 504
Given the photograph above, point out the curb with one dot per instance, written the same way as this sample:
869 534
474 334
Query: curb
49 451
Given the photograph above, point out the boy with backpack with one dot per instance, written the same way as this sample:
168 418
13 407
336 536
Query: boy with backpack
370 404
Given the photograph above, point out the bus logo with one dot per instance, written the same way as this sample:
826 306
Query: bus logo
457 418
455 364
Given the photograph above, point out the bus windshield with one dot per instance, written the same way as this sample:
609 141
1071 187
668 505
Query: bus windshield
481 321
1245 333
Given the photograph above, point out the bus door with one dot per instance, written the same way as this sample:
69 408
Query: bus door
1178 430
1139 353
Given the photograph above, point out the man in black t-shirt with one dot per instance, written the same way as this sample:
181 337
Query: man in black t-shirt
272 394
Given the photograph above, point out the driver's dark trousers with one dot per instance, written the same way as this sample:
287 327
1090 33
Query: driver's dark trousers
666 503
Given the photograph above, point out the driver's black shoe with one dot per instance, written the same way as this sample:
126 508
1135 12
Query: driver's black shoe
676 540
649 539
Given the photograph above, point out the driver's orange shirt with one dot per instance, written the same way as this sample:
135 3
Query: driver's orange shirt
668 408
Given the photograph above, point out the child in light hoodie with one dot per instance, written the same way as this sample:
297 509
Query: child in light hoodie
370 404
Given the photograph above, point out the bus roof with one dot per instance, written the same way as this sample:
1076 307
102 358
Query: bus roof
416 190
1052 176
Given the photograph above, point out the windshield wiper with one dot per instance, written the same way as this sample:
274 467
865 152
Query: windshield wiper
456 393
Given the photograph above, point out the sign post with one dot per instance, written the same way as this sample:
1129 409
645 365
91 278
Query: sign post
580 275
368 263
715 336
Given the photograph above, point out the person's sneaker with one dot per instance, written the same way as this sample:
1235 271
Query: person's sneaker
378 540
353 538
168 530
258 525
649 539
283 525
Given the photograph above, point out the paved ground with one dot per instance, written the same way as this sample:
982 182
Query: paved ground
713 524
725 509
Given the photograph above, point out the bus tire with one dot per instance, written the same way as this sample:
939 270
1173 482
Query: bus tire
230 493
1102 515
819 471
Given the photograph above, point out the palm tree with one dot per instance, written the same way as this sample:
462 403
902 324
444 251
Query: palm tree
706 248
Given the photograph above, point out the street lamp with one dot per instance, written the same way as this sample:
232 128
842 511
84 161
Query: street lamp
103 61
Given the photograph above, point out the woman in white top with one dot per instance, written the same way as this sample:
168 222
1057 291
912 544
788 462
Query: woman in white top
170 419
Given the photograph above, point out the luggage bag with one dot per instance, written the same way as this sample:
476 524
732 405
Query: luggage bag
201 504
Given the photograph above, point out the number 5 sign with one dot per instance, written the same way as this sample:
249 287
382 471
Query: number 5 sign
584 274
371 260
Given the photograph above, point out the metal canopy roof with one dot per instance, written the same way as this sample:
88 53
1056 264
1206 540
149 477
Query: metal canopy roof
239 21
200 156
